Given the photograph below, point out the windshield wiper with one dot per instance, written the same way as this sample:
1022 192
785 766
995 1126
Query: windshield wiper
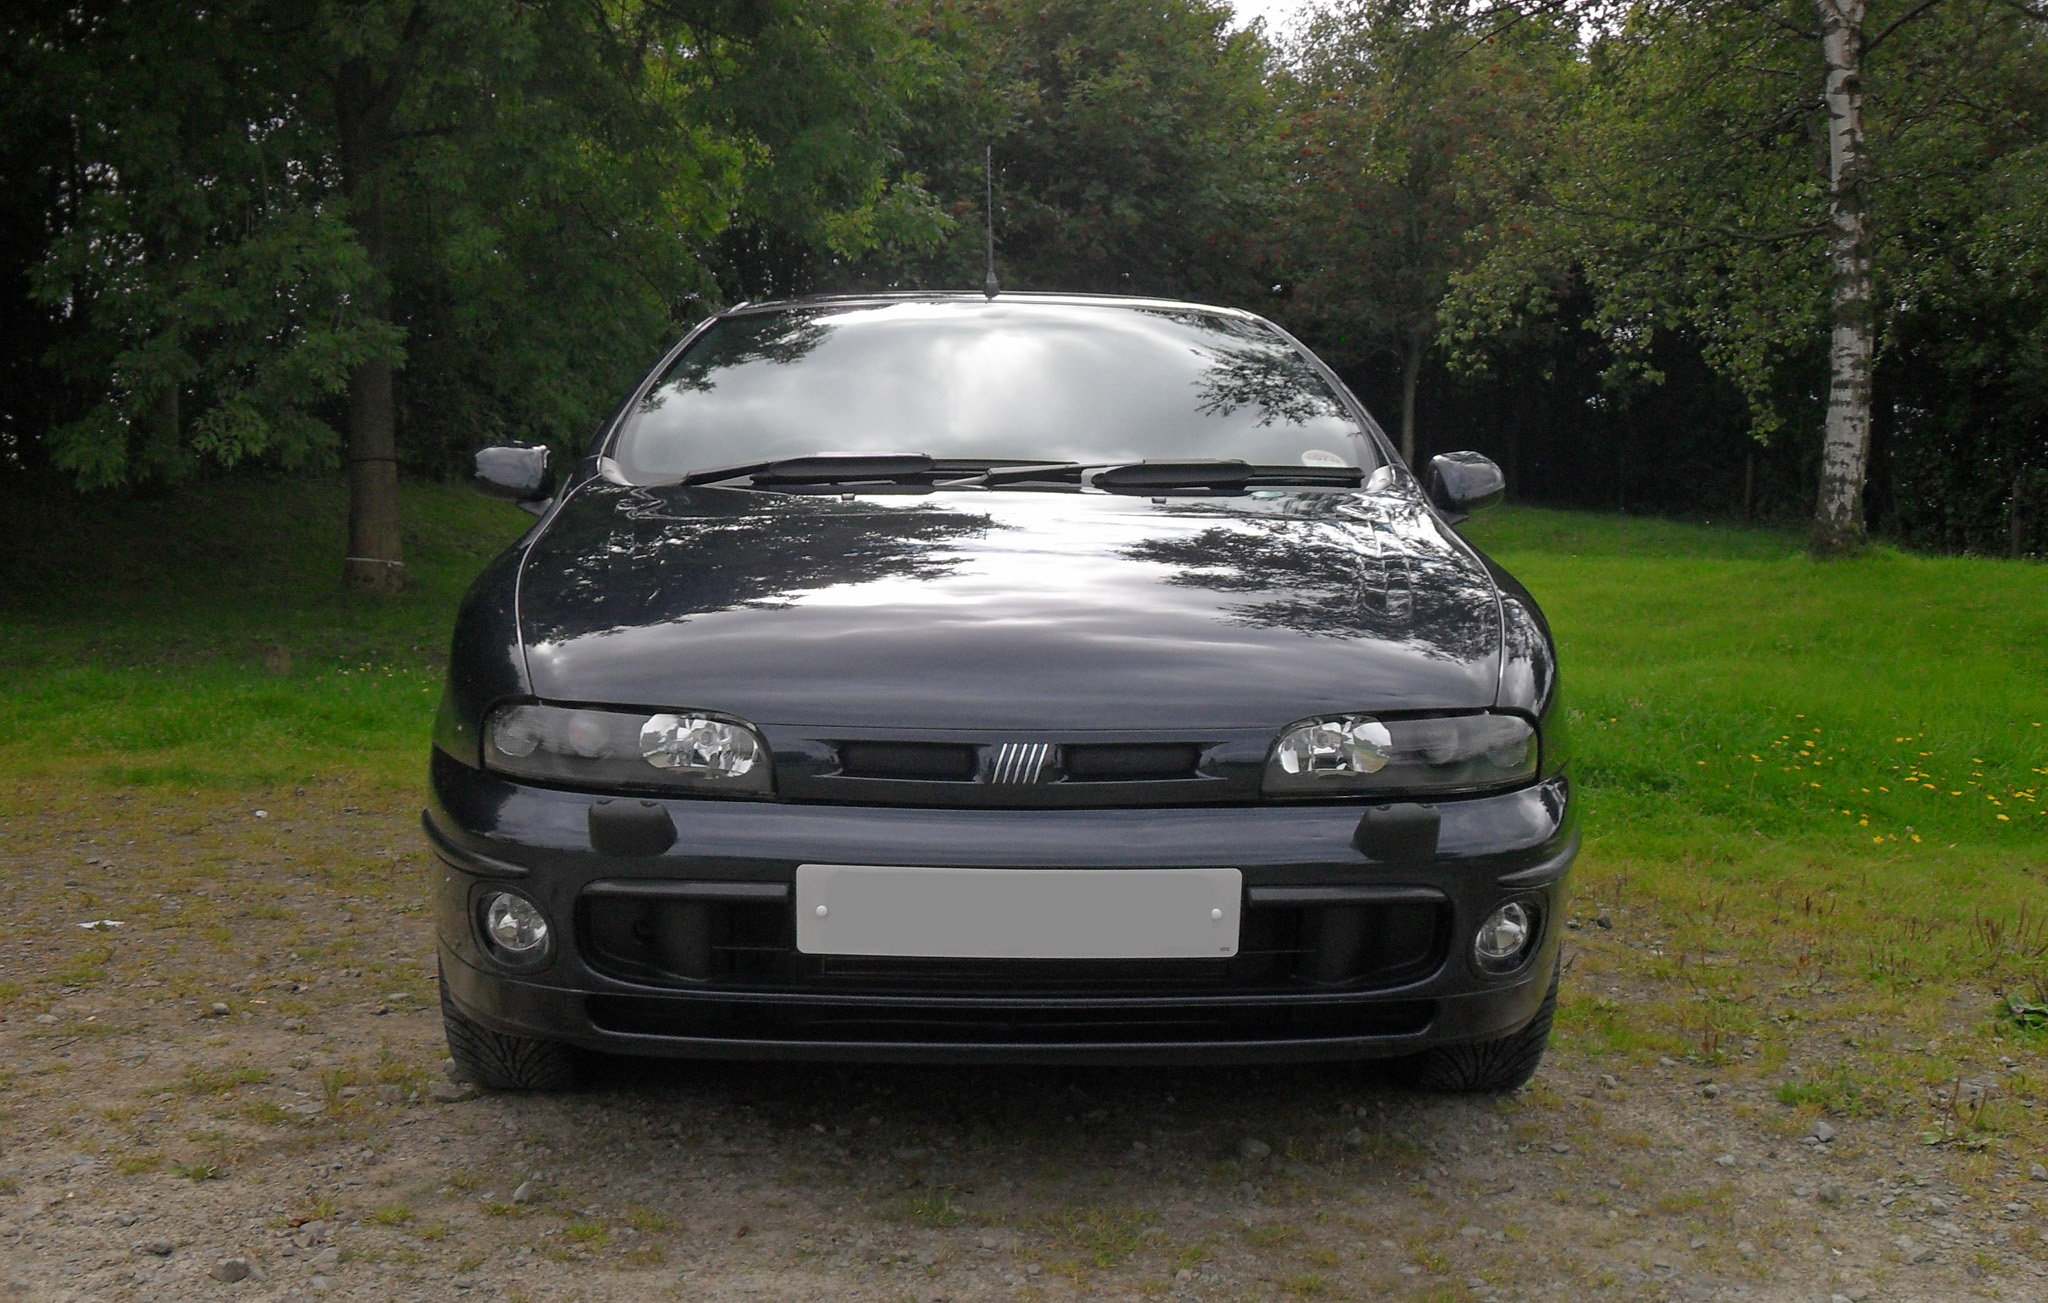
1141 477
1343 477
824 468
1220 476
1152 476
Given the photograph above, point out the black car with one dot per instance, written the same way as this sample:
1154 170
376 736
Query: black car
1029 678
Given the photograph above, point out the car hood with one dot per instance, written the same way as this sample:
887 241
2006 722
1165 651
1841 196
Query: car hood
1007 610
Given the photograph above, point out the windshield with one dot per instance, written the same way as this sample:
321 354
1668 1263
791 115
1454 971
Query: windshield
1090 383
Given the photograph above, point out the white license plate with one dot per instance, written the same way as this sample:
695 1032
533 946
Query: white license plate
936 913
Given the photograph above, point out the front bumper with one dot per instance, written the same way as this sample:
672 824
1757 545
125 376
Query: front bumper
1341 958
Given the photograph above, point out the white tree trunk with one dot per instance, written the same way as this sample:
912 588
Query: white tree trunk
1845 451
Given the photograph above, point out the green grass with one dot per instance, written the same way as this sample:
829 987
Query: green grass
1826 777
146 641
1723 685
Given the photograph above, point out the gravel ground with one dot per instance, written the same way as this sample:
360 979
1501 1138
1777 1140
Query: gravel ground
240 1093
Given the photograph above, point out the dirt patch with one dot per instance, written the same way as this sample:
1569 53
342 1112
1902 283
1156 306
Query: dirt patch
239 1092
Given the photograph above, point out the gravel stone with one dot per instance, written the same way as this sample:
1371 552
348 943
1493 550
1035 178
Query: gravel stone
1823 1132
524 1194
156 1248
451 1092
1253 1150
2038 1172
230 1270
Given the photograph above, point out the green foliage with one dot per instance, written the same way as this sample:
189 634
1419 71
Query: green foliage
1683 181
217 217
517 203
210 301
1132 144
1404 118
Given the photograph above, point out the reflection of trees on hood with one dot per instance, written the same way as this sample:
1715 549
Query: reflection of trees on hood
779 337
1339 578
621 558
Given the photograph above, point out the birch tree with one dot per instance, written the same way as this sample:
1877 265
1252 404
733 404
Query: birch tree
1765 176
1852 343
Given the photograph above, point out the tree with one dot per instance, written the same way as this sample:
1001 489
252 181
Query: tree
266 213
1398 109
1132 147
1764 176
203 297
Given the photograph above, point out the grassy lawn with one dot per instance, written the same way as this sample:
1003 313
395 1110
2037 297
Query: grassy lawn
206 639
1813 794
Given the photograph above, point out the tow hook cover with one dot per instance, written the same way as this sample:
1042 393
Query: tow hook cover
1398 833
625 827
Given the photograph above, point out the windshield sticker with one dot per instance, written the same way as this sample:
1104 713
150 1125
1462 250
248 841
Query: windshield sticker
1317 457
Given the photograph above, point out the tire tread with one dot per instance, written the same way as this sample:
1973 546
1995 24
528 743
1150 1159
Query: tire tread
496 1061
1495 1066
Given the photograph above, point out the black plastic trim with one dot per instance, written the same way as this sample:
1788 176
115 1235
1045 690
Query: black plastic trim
465 859
743 893
1338 894
1546 873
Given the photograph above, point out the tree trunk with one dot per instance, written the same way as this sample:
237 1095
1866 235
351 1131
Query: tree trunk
1411 370
376 560
1845 449
2016 524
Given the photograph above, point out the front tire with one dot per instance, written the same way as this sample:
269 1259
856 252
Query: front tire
1484 1067
496 1061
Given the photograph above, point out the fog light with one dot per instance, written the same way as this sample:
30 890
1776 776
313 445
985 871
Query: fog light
515 925
1504 937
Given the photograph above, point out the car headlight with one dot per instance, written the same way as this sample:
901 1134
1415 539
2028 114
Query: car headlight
615 749
1340 754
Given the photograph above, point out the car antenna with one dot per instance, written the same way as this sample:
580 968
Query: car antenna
988 217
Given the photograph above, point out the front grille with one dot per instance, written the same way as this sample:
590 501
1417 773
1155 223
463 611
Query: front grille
969 1022
708 944
1132 762
931 762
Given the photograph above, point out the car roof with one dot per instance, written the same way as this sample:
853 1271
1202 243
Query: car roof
977 296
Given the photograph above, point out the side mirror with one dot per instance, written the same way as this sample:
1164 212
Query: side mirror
1463 482
518 471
